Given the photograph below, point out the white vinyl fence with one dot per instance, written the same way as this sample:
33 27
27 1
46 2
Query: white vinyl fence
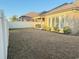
20 24
3 37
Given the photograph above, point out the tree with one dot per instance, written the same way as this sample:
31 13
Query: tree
14 18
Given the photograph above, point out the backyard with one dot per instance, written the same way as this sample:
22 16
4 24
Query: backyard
38 44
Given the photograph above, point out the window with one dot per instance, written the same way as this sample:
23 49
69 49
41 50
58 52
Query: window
62 22
57 21
43 19
33 20
39 19
52 22
49 22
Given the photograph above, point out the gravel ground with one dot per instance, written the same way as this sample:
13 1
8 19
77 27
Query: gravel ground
37 44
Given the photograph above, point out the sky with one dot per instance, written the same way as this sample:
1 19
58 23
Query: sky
21 7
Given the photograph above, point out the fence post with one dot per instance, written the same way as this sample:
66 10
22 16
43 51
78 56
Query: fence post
3 36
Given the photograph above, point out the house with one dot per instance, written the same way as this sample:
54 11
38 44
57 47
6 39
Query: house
32 14
39 21
25 18
64 18
28 16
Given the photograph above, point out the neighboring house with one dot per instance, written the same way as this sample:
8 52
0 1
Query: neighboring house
28 16
32 14
25 18
65 15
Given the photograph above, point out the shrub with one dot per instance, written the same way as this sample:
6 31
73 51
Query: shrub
44 28
67 30
49 28
56 29
38 25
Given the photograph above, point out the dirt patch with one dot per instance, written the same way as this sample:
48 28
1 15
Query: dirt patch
37 44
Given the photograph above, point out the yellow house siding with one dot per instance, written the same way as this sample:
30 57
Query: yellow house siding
59 16
60 20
